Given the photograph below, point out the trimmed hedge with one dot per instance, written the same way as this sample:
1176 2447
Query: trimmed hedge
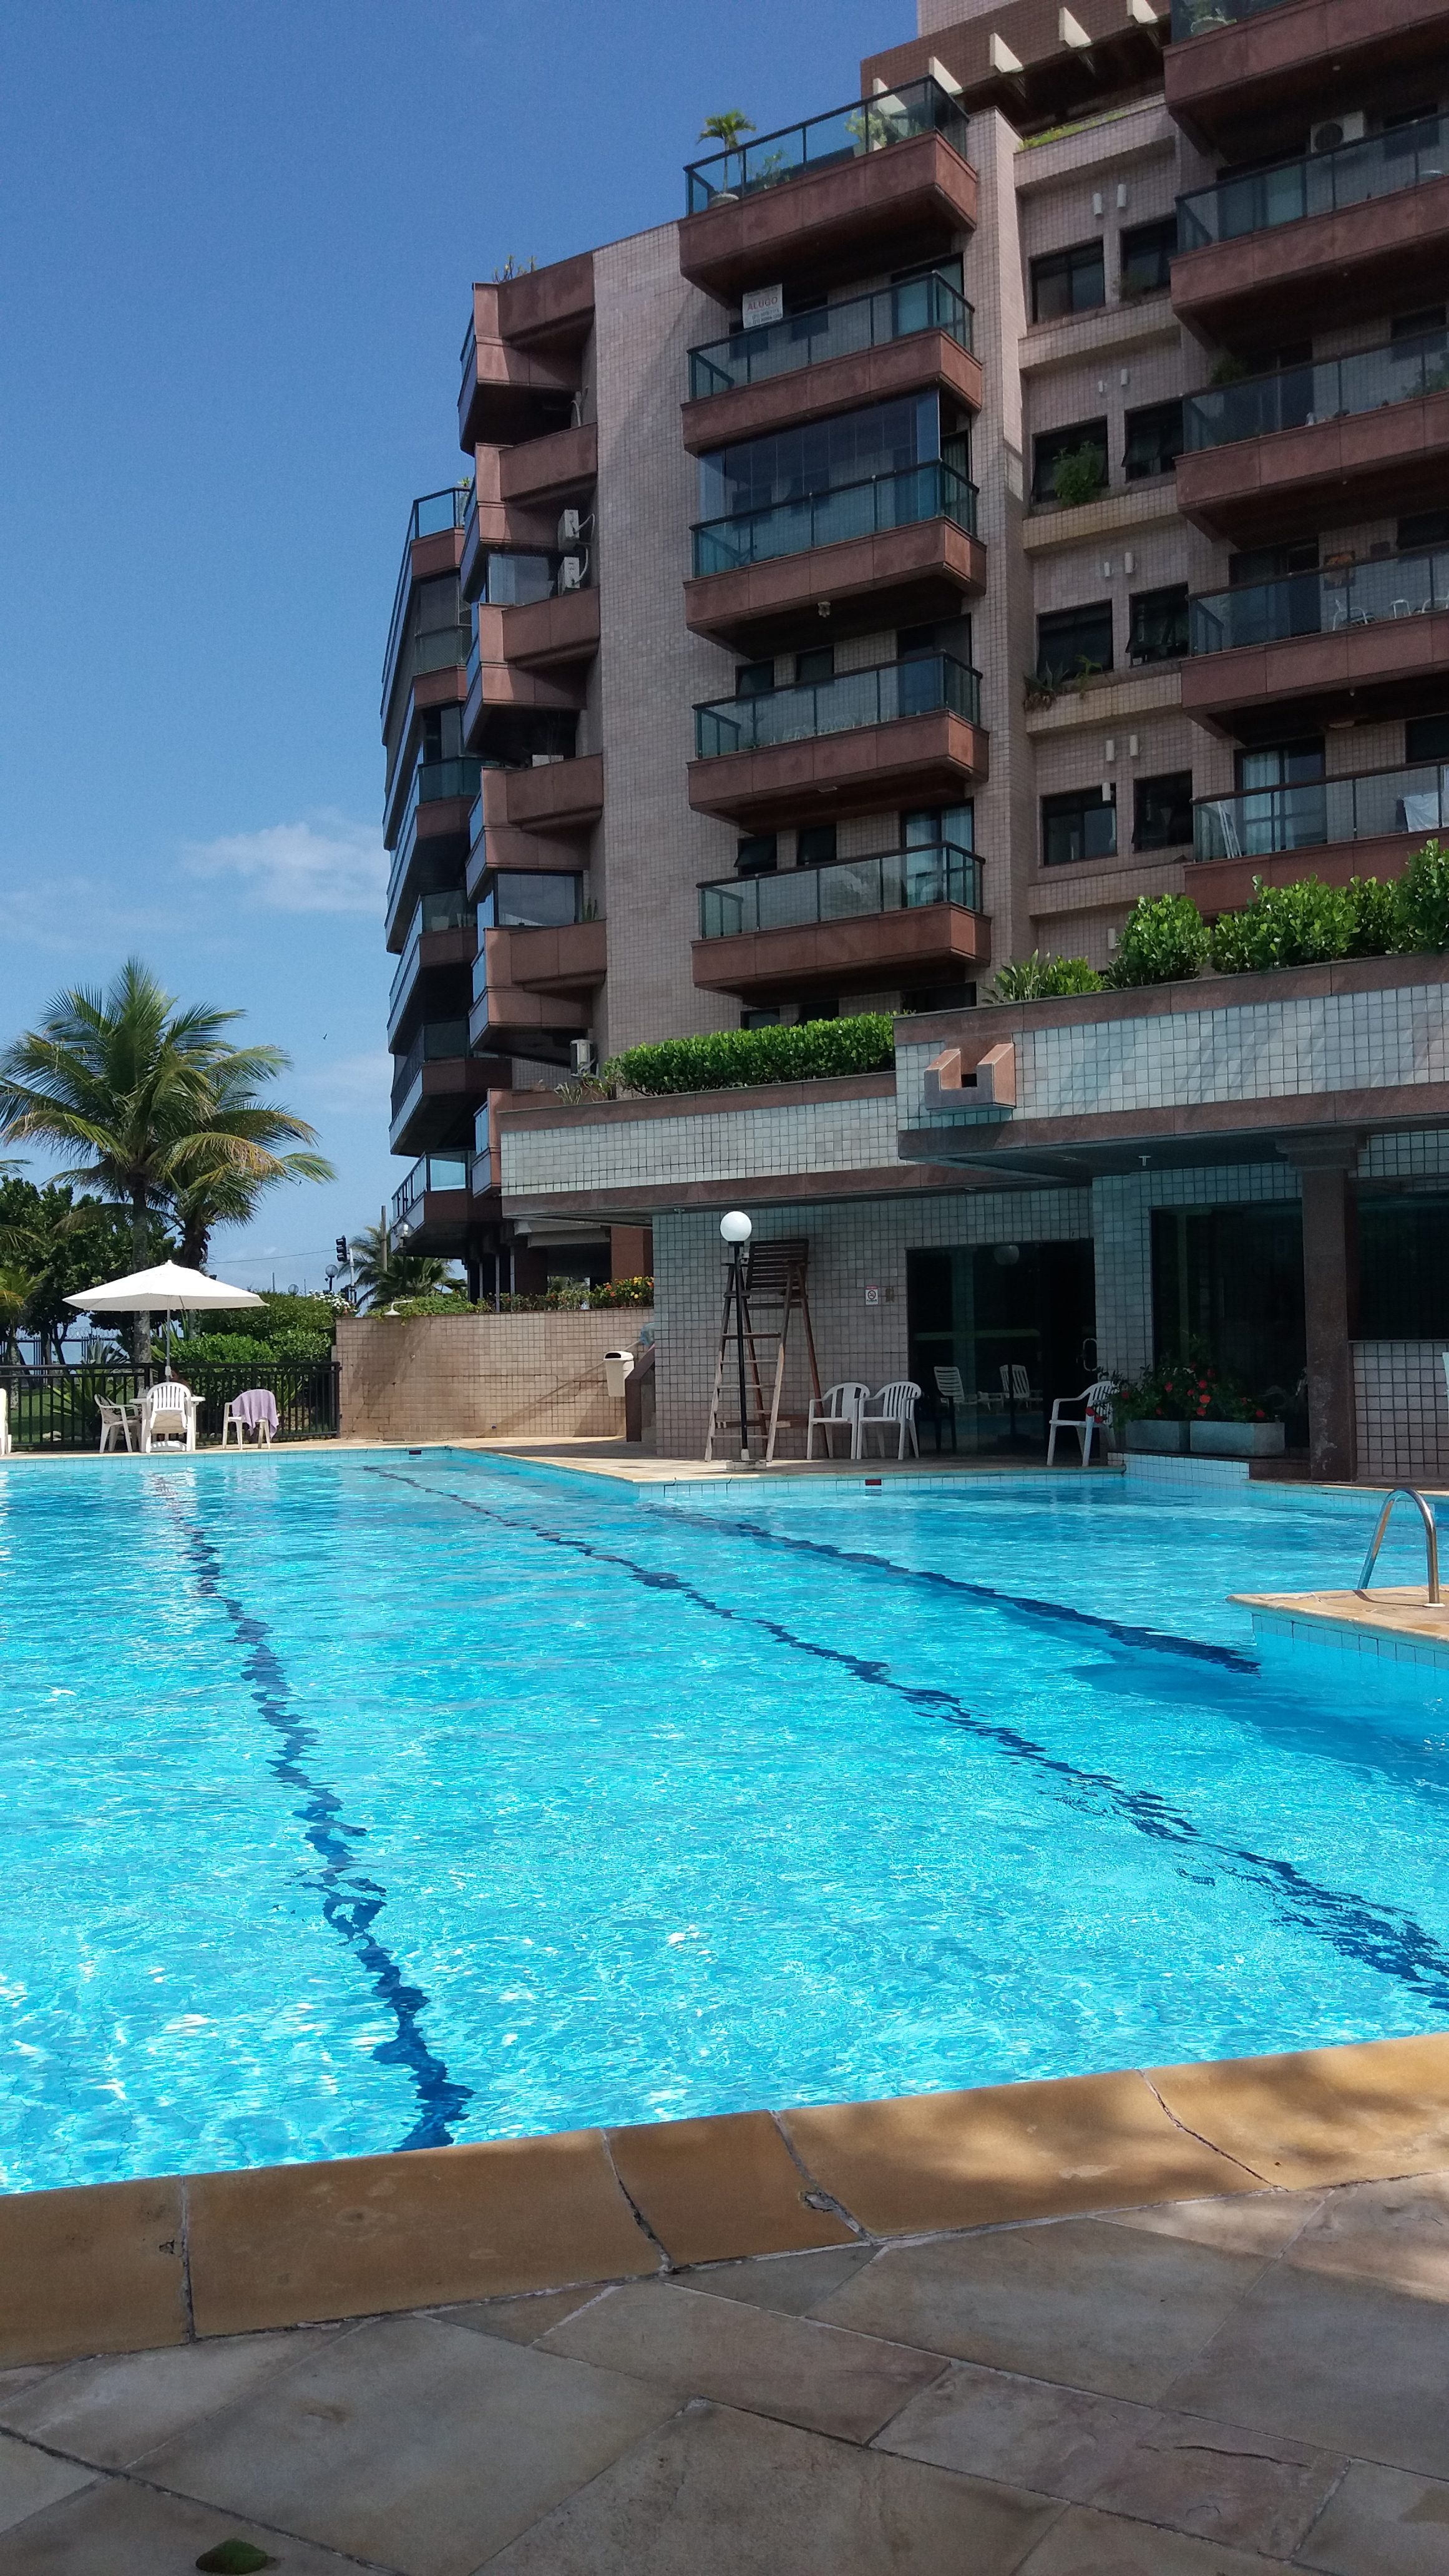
735 1059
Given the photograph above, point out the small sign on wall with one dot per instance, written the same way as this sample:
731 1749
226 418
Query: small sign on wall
872 1296
762 304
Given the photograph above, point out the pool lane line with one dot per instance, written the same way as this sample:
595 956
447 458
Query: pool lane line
351 1903
1386 1940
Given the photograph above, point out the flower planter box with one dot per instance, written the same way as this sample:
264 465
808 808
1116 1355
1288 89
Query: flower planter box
1237 1439
1167 1438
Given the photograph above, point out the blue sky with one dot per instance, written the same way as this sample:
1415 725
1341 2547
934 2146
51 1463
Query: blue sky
236 244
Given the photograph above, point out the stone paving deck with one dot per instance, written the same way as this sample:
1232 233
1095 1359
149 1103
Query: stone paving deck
1213 2387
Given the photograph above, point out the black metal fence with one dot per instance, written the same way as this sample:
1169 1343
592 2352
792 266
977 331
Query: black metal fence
59 1408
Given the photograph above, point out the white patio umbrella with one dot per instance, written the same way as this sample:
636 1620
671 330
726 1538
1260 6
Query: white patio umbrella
166 1290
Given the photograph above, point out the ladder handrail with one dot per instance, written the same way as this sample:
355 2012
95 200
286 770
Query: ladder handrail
1431 1540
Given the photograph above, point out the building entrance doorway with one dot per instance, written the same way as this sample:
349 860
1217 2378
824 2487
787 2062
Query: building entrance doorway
1017 1322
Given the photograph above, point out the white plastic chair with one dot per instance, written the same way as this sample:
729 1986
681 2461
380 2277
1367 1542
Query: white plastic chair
4 1422
1015 1382
168 1413
1096 1412
951 1391
838 1409
115 1424
894 1404
238 1417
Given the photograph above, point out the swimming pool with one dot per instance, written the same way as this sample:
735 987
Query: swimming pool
373 1800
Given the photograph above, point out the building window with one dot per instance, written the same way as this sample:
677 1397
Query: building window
1426 738
951 825
816 664
1068 281
1159 624
1162 811
815 845
1147 256
1154 440
1055 448
1081 825
1075 642
757 856
1426 528
754 679
1403 1253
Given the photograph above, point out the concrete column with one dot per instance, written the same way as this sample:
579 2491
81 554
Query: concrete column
1330 1300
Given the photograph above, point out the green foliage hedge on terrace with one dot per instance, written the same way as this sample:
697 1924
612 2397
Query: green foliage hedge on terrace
735 1059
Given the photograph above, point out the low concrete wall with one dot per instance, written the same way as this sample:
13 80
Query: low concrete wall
446 1377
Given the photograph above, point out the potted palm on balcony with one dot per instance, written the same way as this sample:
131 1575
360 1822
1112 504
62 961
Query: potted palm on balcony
728 128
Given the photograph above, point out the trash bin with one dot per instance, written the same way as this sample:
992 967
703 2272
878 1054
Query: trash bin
618 1367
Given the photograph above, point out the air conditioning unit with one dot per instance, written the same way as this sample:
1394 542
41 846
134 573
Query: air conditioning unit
570 527
571 572
583 1055
1336 130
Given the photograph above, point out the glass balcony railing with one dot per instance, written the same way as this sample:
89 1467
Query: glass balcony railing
1199 17
928 303
432 516
843 890
825 143
880 695
432 781
436 1042
1327 389
1319 603
932 491
449 910
1321 185
430 1172
1268 820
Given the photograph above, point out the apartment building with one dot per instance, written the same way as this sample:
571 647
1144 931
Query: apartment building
1021 490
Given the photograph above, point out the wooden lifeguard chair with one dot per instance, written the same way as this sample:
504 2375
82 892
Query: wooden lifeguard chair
772 1293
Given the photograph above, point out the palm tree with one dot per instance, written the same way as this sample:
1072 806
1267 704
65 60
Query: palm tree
726 129
150 1099
382 1274
227 1190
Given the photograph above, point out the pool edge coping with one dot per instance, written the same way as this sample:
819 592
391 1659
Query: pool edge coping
136 2265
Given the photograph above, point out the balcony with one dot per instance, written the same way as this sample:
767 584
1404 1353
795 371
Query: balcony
866 350
433 545
439 1201
1236 68
899 550
436 810
551 796
853 924
522 351
1335 828
435 1085
1351 641
888 174
443 936
900 728
536 981
1344 438
1312 244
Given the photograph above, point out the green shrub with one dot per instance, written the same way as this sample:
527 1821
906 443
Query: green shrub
1377 917
1163 941
1294 925
295 1330
1037 979
1079 476
735 1058
1423 905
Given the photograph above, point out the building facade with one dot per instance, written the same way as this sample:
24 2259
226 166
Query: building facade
1022 490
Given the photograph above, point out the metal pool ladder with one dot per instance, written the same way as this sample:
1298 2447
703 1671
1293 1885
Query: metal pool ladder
1431 1540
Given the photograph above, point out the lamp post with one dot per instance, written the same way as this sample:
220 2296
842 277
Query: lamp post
736 1230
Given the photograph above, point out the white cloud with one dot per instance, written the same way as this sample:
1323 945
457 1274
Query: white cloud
322 864
356 1085
70 913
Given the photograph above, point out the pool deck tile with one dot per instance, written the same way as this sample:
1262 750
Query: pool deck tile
1106 2311
1086 2543
796 2369
1324 2115
710 2189
283 2244
1382 2523
30 2480
113 2412
721 2493
94 2268
117 2528
1006 2151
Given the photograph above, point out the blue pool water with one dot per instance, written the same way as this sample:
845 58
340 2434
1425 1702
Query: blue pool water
375 1800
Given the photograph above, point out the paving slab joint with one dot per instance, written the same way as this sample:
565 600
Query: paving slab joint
815 2196
666 2260
1210 2143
